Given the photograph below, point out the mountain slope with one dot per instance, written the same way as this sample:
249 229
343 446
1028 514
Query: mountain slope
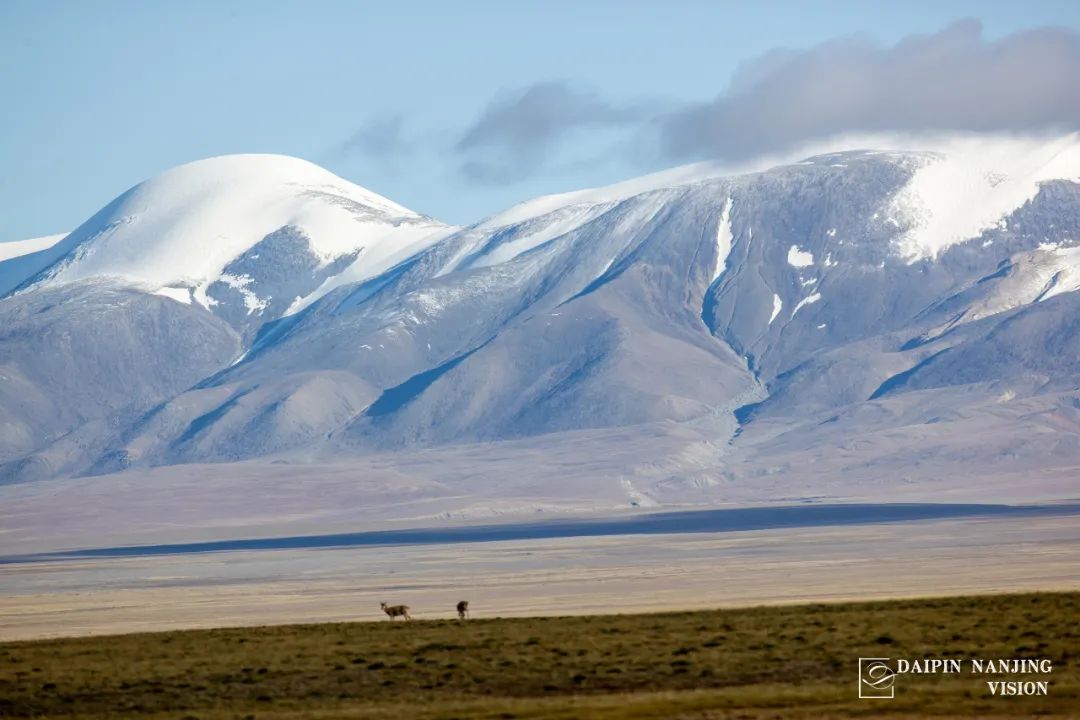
79 361
795 312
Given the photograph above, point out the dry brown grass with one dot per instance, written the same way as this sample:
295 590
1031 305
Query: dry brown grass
777 662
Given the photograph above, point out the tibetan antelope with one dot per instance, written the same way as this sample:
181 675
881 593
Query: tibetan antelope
395 610
463 609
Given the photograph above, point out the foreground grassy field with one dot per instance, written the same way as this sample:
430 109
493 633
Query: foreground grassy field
770 662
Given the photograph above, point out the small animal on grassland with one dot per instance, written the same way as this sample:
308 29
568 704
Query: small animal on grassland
396 610
463 609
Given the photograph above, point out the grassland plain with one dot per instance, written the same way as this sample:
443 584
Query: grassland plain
765 662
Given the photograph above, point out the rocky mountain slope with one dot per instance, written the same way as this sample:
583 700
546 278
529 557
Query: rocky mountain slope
892 313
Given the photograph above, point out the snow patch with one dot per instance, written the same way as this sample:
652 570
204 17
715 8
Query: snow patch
972 185
252 302
565 221
723 241
179 294
799 258
777 306
810 300
1066 277
406 241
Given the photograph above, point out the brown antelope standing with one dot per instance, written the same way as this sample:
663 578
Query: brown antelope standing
395 610
463 609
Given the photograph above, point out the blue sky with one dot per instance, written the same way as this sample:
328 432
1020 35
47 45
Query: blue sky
98 95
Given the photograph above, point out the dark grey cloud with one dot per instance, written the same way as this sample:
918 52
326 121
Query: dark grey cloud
953 80
381 139
518 131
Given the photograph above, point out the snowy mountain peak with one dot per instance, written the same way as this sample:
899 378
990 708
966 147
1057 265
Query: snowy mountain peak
21 248
239 229
972 185
956 188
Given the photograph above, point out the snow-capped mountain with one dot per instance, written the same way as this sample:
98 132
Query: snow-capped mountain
901 315
22 259
244 236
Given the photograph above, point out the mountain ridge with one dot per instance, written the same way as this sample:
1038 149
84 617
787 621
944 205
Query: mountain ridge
747 312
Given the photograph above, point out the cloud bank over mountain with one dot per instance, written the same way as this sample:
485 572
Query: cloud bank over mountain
955 80
951 80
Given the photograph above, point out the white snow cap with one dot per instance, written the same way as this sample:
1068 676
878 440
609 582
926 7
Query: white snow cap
182 227
17 248
968 185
